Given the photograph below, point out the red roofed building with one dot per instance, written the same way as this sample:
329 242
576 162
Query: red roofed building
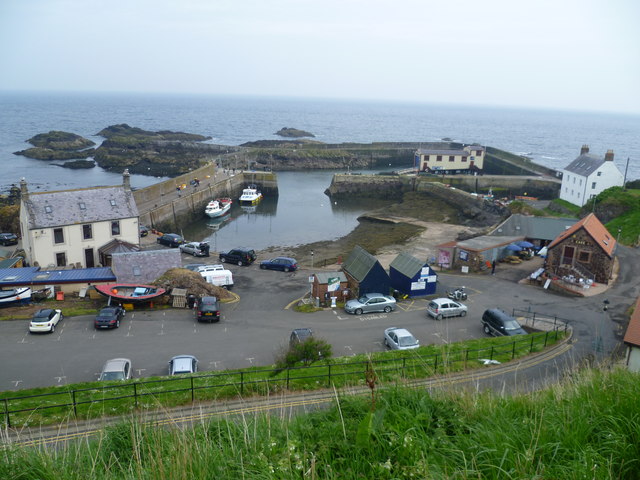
585 250
632 340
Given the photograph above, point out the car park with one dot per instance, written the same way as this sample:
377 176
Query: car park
440 308
109 317
400 339
116 369
183 364
239 256
371 302
7 239
284 264
300 335
45 320
497 323
144 231
170 240
207 309
197 249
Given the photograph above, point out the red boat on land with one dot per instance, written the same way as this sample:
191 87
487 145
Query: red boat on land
130 293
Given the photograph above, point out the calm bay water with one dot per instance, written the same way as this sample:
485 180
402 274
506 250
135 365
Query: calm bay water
302 213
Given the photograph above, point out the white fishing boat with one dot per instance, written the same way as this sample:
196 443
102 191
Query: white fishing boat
250 196
218 207
14 296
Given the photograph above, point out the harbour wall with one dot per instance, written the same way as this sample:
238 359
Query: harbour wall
164 208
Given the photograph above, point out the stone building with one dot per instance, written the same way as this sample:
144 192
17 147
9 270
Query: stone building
585 251
448 161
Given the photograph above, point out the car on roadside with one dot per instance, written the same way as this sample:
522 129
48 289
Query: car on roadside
45 320
144 231
116 369
207 309
183 364
440 308
170 240
300 335
284 264
109 317
371 302
193 248
239 256
400 339
498 323
7 239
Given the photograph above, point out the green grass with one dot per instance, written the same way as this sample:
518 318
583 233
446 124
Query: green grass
98 399
588 426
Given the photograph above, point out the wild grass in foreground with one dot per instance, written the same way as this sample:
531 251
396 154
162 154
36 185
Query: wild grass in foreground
586 427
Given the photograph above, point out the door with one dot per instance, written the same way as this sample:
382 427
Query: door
567 255
88 258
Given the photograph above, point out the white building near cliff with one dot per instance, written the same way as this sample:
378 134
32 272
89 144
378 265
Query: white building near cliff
449 161
69 227
588 175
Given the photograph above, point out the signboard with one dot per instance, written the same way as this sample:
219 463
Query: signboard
418 285
465 269
311 278
464 255
444 258
333 284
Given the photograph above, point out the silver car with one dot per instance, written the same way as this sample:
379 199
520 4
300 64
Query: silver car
116 369
192 248
183 364
440 308
371 302
400 339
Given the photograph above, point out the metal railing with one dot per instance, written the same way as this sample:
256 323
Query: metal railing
146 394
541 321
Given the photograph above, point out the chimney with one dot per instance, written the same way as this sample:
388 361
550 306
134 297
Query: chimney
584 150
126 179
24 193
608 157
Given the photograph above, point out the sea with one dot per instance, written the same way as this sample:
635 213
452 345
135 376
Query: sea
302 213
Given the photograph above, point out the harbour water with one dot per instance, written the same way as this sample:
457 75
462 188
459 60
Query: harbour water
302 213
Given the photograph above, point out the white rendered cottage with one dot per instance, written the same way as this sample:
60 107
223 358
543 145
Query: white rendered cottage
69 227
587 176
464 160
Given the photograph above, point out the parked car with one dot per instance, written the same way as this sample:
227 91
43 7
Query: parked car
207 309
239 256
183 364
197 249
439 308
116 369
109 317
170 240
299 335
8 239
284 264
400 339
144 231
195 266
45 320
496 322
220 278
371 302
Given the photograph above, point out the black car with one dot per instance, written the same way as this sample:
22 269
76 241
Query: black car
496 322
144 231
284 264
8 239
239 256
109 317
300 335
171 240
207 309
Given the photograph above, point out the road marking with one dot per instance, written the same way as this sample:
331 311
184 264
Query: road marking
348 347
16 382
140 370
250 359
60 378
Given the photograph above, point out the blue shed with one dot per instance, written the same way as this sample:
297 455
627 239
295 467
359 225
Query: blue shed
411 276
365 274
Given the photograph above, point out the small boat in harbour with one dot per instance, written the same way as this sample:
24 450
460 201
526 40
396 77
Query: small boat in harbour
218 207
250 195
129 292
15 296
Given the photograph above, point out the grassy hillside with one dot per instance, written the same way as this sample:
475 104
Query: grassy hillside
586 427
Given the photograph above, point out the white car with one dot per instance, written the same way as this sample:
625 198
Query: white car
440 308
400 339
45 320
116 369
210 268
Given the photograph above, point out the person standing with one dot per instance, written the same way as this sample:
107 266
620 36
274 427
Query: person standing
493 267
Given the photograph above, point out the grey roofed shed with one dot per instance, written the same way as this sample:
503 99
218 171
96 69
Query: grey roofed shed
146 266
535 228
412 276
323 277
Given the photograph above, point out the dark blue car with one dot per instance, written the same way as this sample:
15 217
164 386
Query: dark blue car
284 264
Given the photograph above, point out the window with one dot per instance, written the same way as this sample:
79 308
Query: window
58 235
87 232
599 174
61 259
584 257
580 184
464 159
82 206
137 271
115 228
113 202
48 209
451 158
593 185
574 180
439 158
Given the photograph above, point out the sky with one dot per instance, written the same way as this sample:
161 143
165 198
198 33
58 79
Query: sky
560 54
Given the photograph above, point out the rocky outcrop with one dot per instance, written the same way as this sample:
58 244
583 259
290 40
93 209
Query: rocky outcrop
293 133
58 145
39 153
124 130
79 164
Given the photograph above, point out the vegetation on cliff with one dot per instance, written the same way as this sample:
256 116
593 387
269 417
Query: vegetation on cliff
619 210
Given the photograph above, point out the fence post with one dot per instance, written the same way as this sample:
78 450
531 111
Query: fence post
533 321
435 365
75 409
135 395
288 370
329 377
192 392
546 335
6 412
513 350
466 357
242 383
404 364
531 346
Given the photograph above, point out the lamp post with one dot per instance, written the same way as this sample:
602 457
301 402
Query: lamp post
598 347
311 258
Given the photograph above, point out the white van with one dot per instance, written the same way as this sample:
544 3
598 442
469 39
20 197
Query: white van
220 278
